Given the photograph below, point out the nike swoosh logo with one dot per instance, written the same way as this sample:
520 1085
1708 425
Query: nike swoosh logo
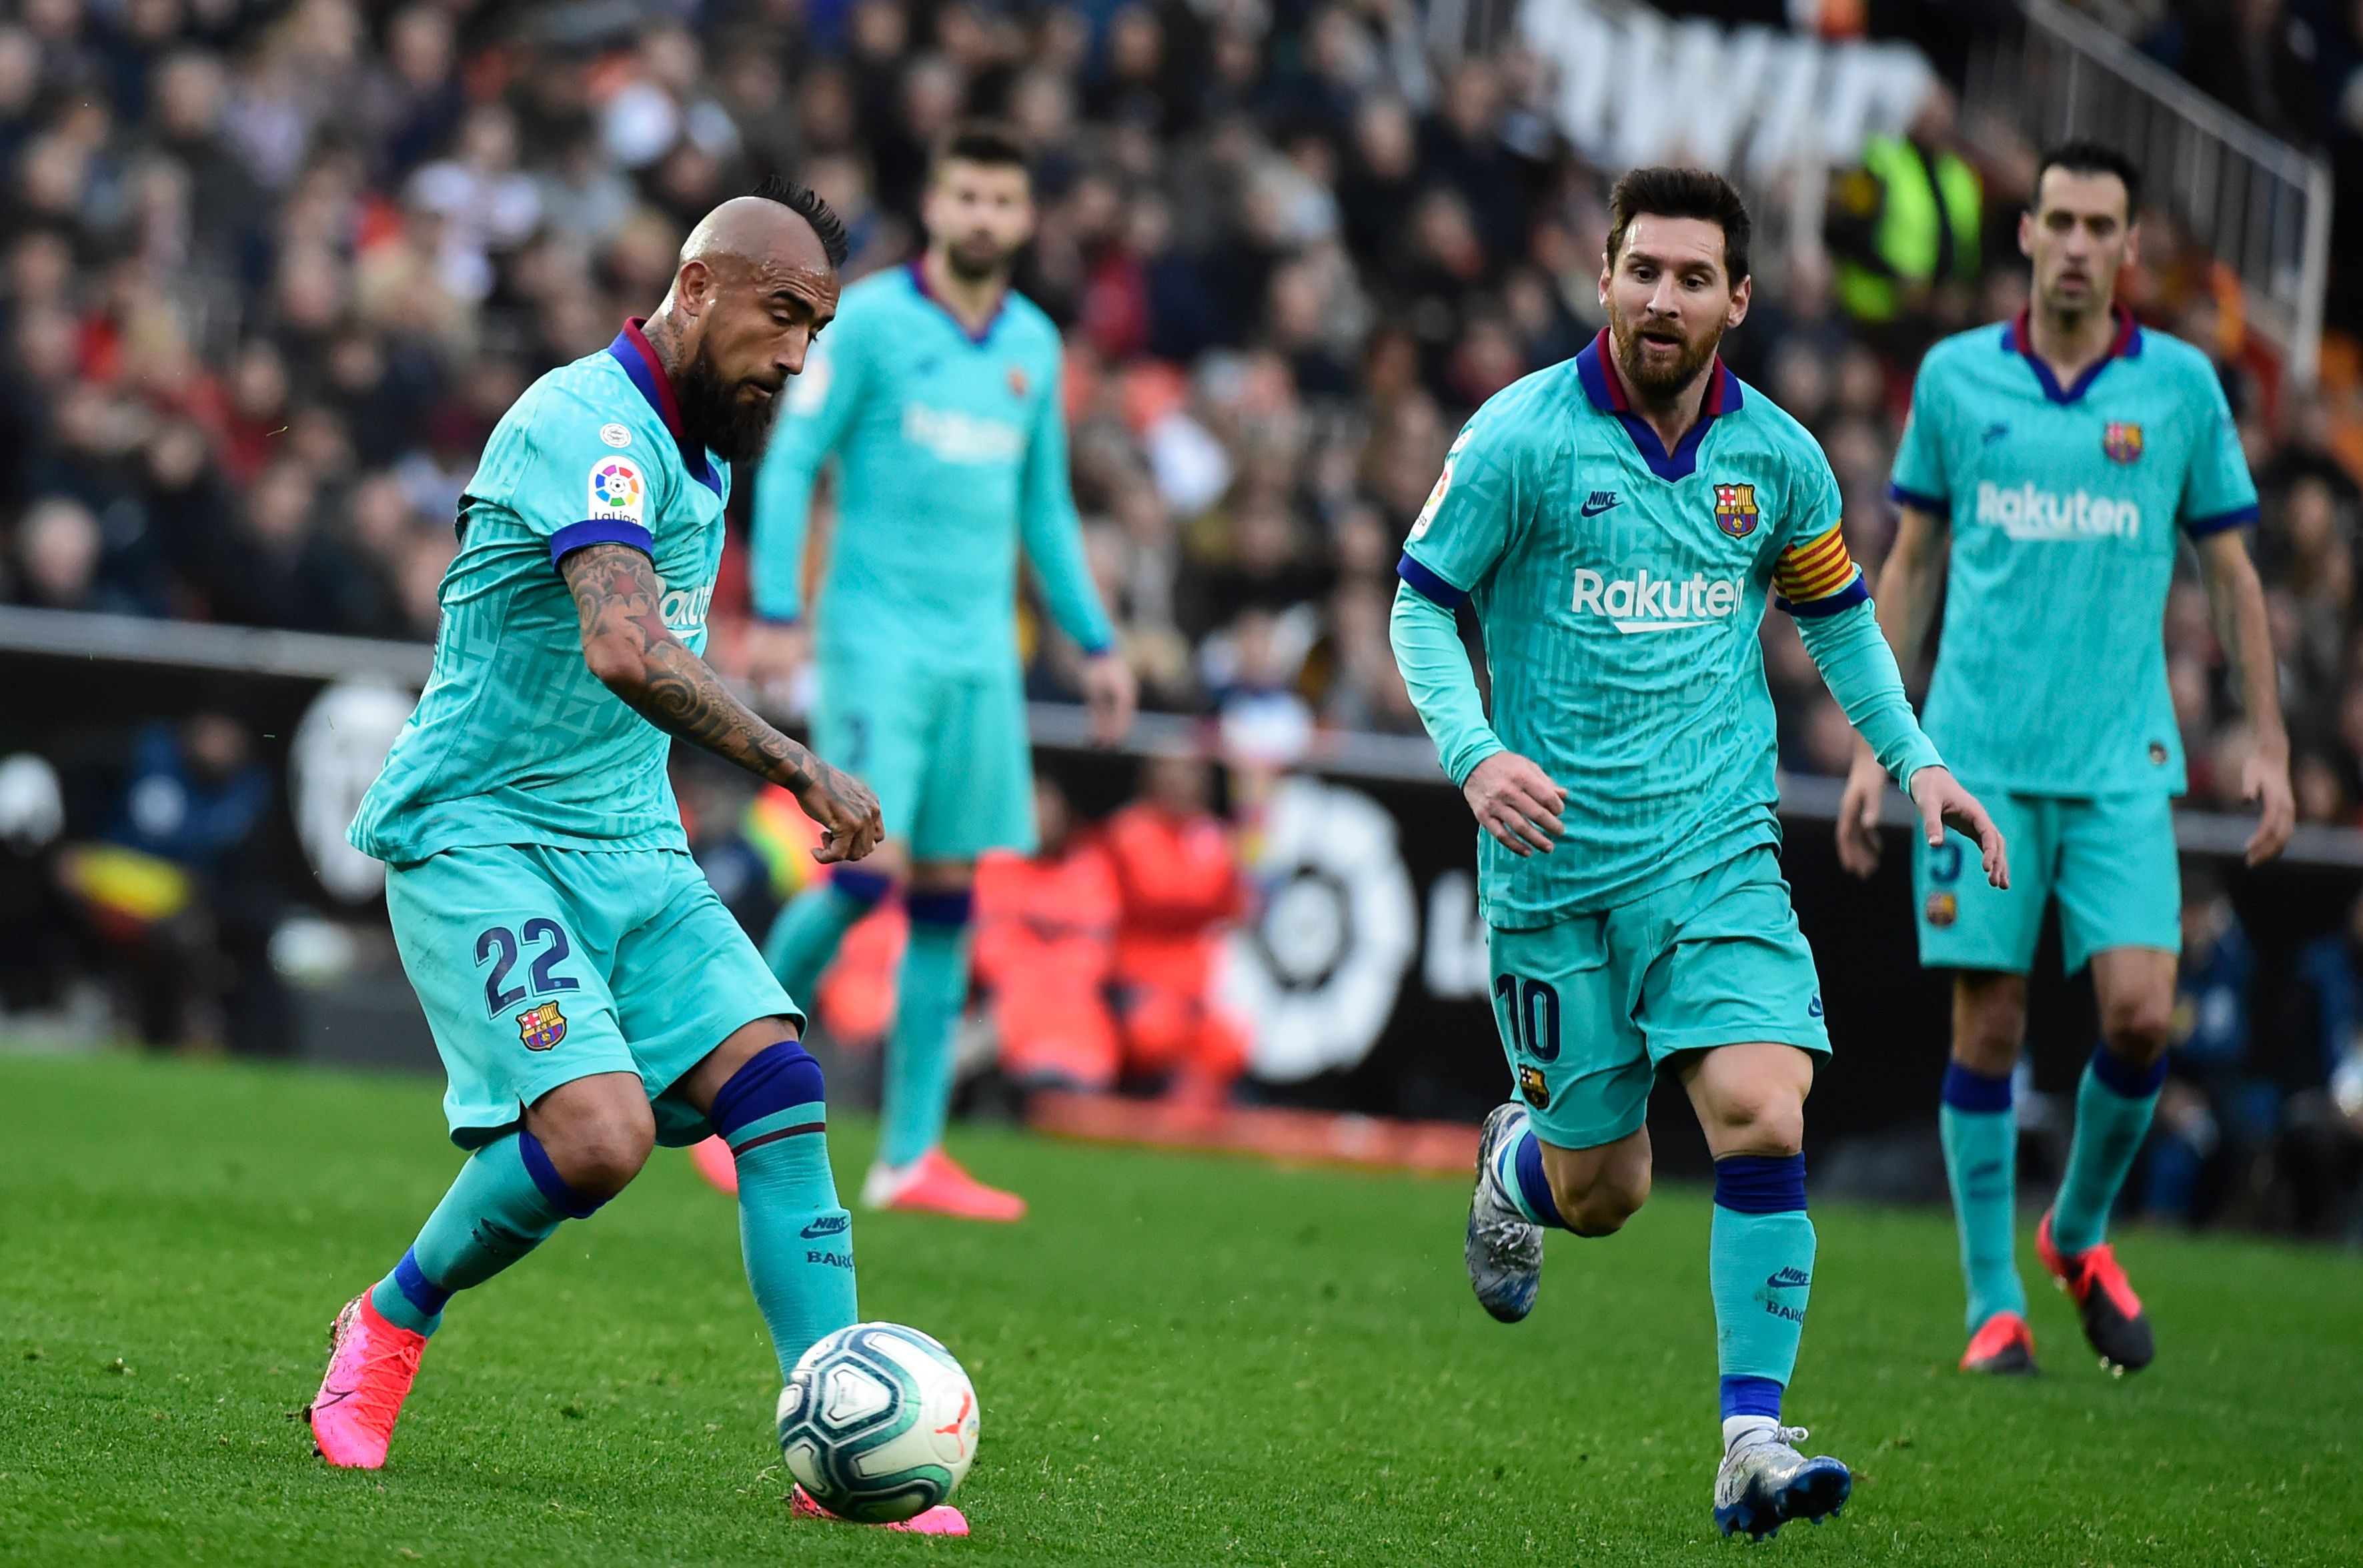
1591 510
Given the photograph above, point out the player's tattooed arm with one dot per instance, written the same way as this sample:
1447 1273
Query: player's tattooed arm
618 600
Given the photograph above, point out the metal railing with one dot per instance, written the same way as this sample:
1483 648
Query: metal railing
2261 206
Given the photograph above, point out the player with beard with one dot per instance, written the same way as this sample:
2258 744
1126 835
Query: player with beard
2051 468
589 994
939 397
1617 522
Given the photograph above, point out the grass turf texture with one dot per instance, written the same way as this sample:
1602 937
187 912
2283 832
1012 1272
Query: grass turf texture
1182 1361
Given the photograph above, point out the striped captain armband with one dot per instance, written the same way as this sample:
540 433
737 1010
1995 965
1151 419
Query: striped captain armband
1818 577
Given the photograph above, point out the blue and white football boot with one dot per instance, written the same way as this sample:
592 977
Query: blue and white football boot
1765 1483
1505 1251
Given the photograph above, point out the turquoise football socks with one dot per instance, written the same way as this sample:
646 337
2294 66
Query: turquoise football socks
797 1240
506 1201
2113 1110
930 993
1980 1134
806 934
1761 1272
1518 1171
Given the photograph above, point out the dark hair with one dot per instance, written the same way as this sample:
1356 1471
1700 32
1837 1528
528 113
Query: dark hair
2089 157
1682 192
988 142
805 201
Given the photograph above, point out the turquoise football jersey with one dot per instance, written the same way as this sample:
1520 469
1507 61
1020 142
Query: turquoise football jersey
2064 504
1620 587
513 740
951 453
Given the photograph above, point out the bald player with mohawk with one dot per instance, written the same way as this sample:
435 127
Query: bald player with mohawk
589 994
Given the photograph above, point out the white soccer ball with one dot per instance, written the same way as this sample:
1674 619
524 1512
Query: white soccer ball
878 1422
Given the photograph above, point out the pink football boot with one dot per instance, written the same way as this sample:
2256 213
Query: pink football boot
370 1365
932 1184
941 1519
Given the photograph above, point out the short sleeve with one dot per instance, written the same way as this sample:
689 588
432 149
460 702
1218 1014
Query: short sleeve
2217 491
584 480
1465 527
1918 479
1815 574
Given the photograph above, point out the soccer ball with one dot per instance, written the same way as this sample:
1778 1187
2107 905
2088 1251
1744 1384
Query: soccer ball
878 1422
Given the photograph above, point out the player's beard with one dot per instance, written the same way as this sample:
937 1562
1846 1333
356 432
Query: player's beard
1656 383
736 428
978 260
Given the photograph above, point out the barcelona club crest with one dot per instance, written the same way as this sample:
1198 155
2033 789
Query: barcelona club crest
1734 509
1532 1085
1942 909
541 1026
2121 441
1018 385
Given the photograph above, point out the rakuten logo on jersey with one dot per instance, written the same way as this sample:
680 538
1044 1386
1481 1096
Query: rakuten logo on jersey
2026 513
684 609
1642 604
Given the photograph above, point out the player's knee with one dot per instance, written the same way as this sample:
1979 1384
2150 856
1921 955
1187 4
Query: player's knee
1758 1118
2135 1028
1989 1022
597 1147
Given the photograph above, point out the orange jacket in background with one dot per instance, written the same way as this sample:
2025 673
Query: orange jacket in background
1045 947
1182 888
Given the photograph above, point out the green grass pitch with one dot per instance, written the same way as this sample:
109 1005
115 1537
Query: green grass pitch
1181 1361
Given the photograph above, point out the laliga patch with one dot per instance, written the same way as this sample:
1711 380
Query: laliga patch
1734 509
617 491
2121 441
542 1027
1532 1088
615 436
1942 909
1443 483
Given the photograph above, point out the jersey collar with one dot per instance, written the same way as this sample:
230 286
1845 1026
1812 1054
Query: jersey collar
919 282
1596 368
631 351
2017 340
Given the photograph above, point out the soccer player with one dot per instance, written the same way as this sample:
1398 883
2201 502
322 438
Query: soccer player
938 396
2068 452
1618 522
589 994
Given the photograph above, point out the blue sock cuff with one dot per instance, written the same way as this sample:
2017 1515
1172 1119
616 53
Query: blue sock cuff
2122 1077
866 889
1532 1185
1967 1089
1760 1183
416 1289
1750 1396
563 1198
948 908
773 1079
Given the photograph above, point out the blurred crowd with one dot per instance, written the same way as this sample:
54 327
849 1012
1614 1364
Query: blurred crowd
273 270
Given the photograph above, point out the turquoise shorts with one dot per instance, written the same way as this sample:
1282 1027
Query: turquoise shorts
538 966
1590 1007
948 755
2109 860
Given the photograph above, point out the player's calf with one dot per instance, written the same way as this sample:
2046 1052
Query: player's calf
1525 1187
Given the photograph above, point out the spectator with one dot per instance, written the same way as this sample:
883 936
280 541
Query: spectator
176 891
1046 928
2215 1120
1180 888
